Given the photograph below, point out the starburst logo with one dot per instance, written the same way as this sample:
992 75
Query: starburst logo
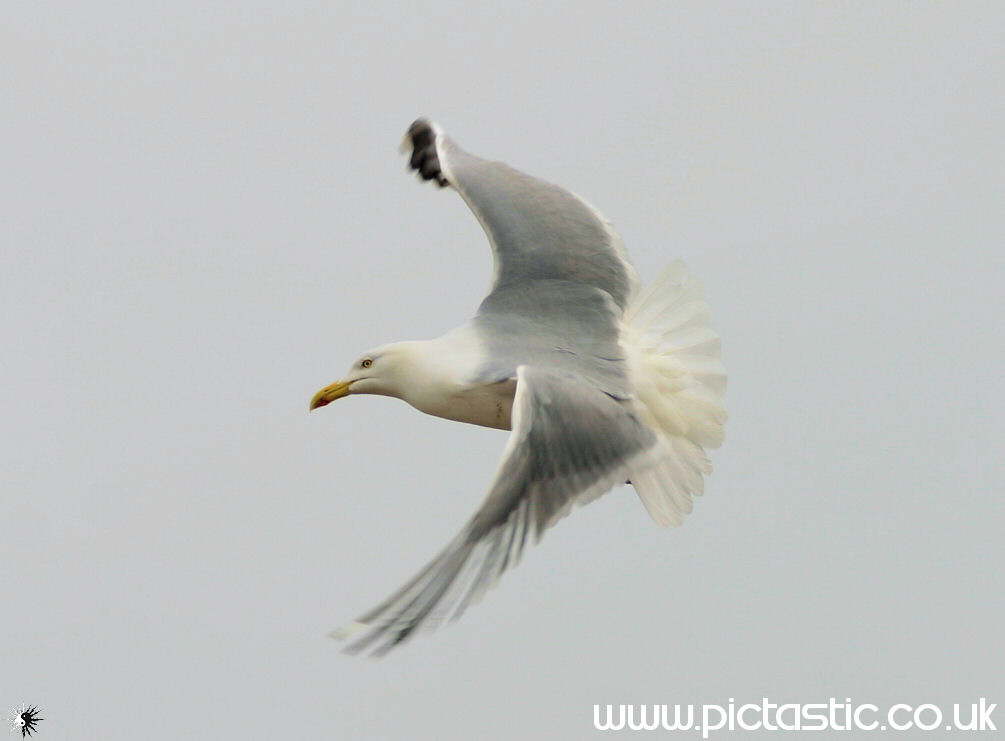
25 719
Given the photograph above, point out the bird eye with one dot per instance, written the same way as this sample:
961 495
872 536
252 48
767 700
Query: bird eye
367 362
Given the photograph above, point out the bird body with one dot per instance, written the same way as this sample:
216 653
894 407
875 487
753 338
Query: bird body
600 381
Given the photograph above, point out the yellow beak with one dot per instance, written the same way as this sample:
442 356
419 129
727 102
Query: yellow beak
330 393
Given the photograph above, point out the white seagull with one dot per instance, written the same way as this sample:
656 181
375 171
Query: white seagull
602 382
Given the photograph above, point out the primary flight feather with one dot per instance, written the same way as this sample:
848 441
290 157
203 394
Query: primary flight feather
601 381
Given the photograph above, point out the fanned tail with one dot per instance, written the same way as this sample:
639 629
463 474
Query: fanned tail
677 371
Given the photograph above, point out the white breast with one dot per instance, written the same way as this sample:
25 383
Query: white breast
487 406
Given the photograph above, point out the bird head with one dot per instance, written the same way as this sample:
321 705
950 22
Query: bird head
378 371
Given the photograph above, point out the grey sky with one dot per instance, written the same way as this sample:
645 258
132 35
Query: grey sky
205 219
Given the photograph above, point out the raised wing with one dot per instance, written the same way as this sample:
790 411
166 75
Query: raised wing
570 444
538 231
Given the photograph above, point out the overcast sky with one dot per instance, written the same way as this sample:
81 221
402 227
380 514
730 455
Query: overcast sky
205 219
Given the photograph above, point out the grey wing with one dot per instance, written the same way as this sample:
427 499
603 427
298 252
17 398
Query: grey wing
570 444
538 231
567 327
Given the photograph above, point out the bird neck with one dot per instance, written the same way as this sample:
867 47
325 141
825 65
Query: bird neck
431 370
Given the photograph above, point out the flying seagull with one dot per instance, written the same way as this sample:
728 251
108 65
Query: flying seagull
602 382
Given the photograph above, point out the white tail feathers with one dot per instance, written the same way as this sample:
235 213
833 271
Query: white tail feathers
679 379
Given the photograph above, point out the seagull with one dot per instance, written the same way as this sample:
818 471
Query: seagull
601 381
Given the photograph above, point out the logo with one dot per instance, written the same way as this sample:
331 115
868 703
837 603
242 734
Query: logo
25 719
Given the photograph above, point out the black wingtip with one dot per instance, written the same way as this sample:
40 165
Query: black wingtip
424 159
